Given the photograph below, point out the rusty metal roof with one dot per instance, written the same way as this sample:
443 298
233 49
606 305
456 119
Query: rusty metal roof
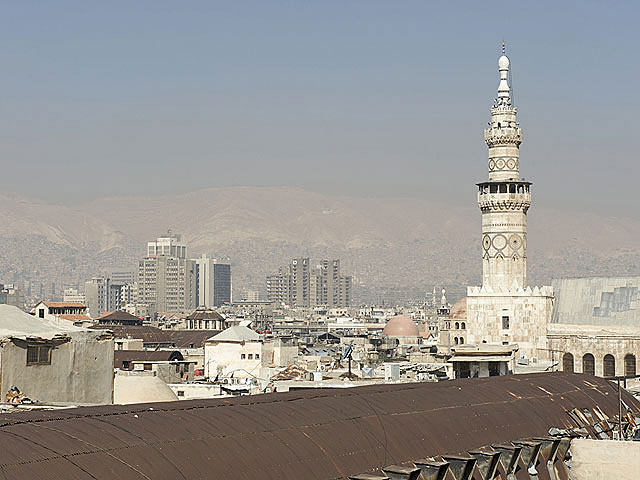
153 335
318 434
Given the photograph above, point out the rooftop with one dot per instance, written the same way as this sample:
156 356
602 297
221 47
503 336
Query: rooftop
334 434
236 334
16 323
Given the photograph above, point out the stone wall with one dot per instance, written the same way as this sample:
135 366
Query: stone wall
81 370
528 311
581 340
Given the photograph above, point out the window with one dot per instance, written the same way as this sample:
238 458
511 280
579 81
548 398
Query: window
39 355
181 393
505 323
457 326
257 356
461 340
567 363
588 364
147 366
41 313
251 356
242 356
629 365
609 366
463 325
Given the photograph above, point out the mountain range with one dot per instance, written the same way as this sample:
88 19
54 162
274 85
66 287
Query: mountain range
396 248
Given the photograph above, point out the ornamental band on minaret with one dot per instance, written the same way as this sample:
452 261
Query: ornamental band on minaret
505 198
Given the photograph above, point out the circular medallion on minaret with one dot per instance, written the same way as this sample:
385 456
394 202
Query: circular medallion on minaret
499 242
515 241
511 164
486 242
492 164
500 164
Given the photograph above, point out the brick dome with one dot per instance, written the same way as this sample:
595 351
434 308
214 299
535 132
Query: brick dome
459 310
400 326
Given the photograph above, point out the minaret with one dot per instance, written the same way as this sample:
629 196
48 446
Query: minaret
505 198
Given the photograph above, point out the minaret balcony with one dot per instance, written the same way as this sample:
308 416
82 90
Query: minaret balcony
504 195
503 136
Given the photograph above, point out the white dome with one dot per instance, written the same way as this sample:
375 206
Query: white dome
140 388
503 63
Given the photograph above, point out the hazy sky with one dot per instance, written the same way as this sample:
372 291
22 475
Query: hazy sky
363 97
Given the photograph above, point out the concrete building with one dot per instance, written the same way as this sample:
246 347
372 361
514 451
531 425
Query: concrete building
213 282
72 295
166 278
169 366
234 354
53 361
279 286
10 294
97 296
301 285
280 351
110 293
505 309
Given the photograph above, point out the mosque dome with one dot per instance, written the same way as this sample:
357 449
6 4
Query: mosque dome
400 326
503 63
459 310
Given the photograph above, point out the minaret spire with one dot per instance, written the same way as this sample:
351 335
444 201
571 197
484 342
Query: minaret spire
504 91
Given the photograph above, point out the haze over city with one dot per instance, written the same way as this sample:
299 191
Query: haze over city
356 240
360 98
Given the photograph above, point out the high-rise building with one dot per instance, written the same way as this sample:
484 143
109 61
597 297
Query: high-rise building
279 286
300 282
506 310
105 293
96 294
166 278
213 282
300 285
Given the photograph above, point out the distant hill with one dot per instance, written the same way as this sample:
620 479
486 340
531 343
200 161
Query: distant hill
394 247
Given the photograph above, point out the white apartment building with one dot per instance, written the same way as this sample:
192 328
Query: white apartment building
166 278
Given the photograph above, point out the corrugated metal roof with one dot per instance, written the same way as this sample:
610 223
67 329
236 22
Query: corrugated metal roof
319 434
152 335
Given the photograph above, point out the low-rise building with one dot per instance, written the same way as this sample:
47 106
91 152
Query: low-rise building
483 360
53 361
233 353
73 312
